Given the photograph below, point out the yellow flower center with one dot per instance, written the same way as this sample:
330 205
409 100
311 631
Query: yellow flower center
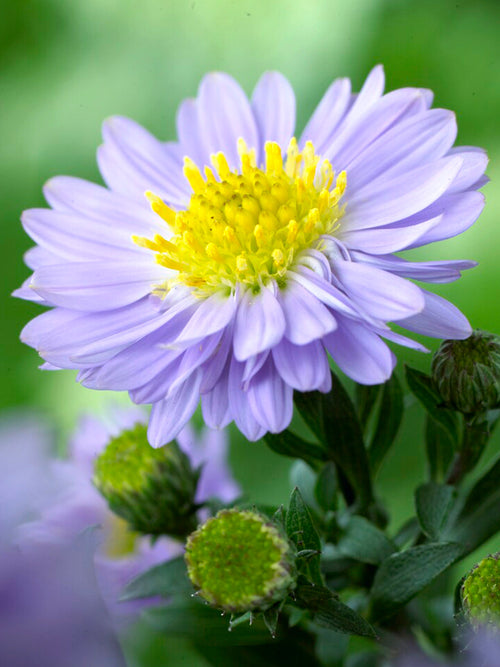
250 226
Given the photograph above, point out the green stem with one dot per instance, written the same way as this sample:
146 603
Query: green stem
474 440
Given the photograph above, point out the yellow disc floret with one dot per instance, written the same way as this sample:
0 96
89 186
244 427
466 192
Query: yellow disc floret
248 227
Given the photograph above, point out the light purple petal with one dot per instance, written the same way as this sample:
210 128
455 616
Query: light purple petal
215 404
168 417
381 294
195 356
94 286
439 319
363 103
225 115
459 212
306 318
397 198
303 367
259 324
77 238
419 139
238 404
121 211
475 161
141 362
270 399
111 342
382 240
360 353
36 257
133 161
323 291
253 366
387 111
327 115
443 271
212 369
212 314
188 130
273 104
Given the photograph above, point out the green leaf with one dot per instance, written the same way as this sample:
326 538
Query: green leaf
479 518
439 449
388 422
433 503
408 532
364 542
203 624
329 612
303 477
300 529
422 387
326 488
165 579
487 488
405 574
366 398
287 443
333 419
271 617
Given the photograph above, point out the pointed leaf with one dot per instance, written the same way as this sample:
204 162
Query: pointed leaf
287 443
271 617
422 387
439 449
333 419
326 488
300 529
363 541
433 504
366 398
404 575
164 579
329 612
388 422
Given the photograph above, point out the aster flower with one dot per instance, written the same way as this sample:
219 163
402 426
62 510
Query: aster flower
121 555
253 255
51 610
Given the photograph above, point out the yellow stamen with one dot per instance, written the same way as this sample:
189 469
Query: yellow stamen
247 226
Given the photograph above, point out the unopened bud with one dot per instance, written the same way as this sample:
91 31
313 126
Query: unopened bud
467 373
152 489
240 561
480 594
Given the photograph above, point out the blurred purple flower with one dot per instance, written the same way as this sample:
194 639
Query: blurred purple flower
482 650
51 610
240 280
120 555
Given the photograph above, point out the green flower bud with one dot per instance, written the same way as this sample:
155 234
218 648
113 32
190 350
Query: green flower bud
152 489
480 594
239 561
467 373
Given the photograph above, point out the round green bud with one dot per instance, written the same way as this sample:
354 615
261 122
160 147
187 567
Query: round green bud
152 489
467 373
239 561
480 594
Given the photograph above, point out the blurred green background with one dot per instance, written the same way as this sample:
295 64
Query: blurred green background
65 66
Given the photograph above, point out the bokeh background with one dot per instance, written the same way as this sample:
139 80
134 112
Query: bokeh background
65 66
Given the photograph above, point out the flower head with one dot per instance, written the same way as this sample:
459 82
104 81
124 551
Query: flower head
239 561
467 373
480 593
229 264
51 610
121 554
152 489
